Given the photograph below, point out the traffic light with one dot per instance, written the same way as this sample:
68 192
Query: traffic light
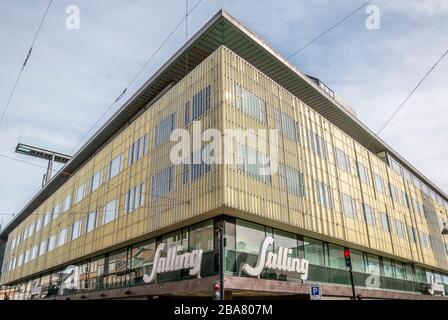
348 260
216 291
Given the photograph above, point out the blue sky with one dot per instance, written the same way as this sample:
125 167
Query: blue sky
74 75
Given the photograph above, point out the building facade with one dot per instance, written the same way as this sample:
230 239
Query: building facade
114 212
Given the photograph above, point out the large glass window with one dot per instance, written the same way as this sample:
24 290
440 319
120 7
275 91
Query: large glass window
163 130
314 251
43 247
62 237
201 236
388 268
201 103
323 194
373 264
76 230
400 228
118 261
317 144
358 263
249 236
336 255
348 205
379 183
66 203
399 270
142 254
363 173
369 215
162 183
291 180
95 181
91 221
342 160
250 104
253 163
80 192
115 166
385 222
110 211
51 243
287 126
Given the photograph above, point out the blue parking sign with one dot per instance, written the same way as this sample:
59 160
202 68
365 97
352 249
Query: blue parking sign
315 292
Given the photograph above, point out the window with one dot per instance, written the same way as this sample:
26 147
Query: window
348 205
336 257
47 218
394 193
187 113
62 237
317 144
66 203
249 236
76 230
292 180
323 194
115 167
80 192
95 181
369 215
250 104
287 126
42 247
400 229
163 130
138 149
27 256
201 236
134 198
395 166
142 254
162 183
34 252
314 251
117 261
363 173
110 211
379 184
56 211
51 243
20 260
201 162
201 102
342 160
385 222
388 269
254 163
91 221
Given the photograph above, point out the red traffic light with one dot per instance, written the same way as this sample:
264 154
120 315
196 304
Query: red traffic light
347 253
216 286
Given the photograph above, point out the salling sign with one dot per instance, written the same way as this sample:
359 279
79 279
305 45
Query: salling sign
277 261
174 261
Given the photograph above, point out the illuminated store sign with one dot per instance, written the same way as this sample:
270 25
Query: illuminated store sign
277 261
173 262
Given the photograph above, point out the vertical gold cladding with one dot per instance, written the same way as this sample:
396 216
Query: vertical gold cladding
259 199
227 186
183 202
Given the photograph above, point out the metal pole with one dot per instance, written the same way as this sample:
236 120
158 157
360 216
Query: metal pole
353 283
221 262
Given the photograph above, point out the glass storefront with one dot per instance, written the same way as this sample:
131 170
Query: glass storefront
126 267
